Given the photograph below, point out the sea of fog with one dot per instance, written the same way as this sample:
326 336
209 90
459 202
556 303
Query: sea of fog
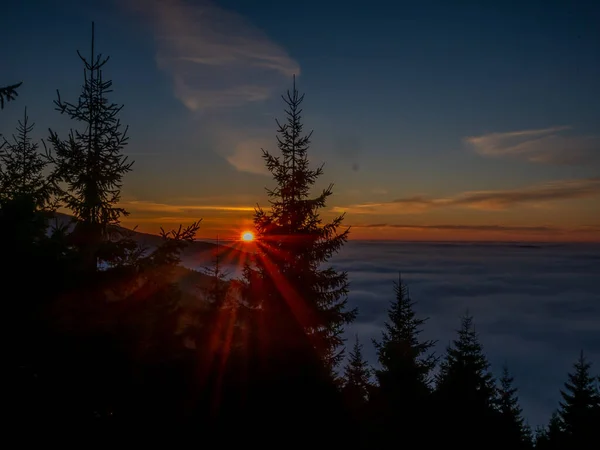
535 306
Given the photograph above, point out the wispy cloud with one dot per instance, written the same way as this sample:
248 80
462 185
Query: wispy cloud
164 208
540 194
547 145
219 62
215 57
241 146
547 192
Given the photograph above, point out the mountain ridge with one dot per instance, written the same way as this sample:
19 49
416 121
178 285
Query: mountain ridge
196 255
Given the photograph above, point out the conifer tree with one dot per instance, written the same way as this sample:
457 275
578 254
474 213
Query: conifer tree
512 432
357 384
294 244
22 166
90 161
24 198
579 409
406 360
8 93
465 366
23 223
551 437
357 389
133 363
298 305
465 388
214 325
216 292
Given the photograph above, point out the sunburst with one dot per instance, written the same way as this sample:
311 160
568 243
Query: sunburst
247 236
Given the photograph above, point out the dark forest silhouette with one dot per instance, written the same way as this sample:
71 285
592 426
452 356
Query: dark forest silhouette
104 340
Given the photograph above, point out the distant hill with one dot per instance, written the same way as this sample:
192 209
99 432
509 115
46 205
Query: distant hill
197 254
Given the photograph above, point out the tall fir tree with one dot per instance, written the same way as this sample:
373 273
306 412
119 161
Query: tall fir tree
26 250
90 161
357 385
214 328
298 305
579 408
216 291
22 167
127 353
406 362
551 437
294 244
357 389
465 388
157 293
512 430
24 195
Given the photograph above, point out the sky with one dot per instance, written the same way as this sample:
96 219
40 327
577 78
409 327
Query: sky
435 120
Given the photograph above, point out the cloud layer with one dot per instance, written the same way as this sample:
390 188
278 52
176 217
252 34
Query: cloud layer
534 229
534 308
215 57
547 146
536 195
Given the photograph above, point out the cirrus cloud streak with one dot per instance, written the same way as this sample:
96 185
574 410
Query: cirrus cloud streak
215 57
492 200
165 208
546 146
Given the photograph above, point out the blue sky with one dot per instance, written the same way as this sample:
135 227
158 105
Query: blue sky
483 117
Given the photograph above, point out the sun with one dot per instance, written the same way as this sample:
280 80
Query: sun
247 236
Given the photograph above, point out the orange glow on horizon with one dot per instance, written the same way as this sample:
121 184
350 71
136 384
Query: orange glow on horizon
233 229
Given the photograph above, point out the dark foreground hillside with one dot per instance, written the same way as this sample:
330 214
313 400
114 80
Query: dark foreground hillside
196 255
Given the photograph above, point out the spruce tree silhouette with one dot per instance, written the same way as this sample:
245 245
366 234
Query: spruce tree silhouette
300 308
552 437
293 243
406 363
215 295
22 167
149 325
24 193
87 172
579 409
111 353
512 430
216 333
357 386
357 389
465 389
24 196
89 162
216 291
